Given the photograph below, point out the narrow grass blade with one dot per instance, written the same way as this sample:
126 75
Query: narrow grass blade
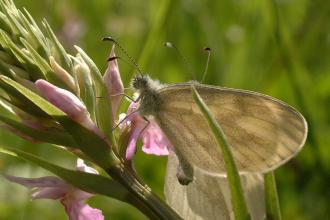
237 194
273 211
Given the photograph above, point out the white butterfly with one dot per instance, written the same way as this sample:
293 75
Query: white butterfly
263 132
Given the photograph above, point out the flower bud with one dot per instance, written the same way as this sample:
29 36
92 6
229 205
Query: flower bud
62 74
68 103
114 83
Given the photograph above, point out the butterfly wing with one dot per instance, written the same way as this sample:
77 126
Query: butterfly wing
262 132
208 196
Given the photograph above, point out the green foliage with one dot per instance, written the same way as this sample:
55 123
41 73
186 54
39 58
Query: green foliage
88 182
246 53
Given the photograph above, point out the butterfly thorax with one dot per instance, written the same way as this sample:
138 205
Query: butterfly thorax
149 98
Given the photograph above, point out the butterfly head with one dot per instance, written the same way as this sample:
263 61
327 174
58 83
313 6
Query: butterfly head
140 82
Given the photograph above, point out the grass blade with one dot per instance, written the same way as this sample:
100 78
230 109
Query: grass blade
236 189
273 211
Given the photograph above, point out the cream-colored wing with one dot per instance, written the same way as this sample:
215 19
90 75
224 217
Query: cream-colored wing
263 132
208 196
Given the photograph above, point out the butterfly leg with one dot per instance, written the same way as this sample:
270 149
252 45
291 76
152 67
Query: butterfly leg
127 96
125 118
148 122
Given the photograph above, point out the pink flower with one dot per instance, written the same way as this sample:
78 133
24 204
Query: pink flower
68 103
72 198
114 84
154 140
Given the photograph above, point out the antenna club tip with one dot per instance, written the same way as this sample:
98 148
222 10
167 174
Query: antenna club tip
107 39
168 44
207 49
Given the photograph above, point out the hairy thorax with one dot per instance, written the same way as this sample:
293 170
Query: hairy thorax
150 102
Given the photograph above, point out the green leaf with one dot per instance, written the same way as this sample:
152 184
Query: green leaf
103 102
4 23
86 89
8 10
22 58
88 182
237 194
273 211
4 69
64 59
5 109
53 136
91 144
20 100
40 61
44 66
34 34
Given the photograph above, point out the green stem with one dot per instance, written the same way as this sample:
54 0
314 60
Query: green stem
141 196
273 211
155 32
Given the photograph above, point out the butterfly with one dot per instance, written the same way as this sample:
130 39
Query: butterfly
263 132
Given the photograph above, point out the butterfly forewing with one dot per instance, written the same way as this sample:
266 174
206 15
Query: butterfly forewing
263 132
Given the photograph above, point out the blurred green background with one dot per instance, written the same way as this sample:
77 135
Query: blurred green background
280 48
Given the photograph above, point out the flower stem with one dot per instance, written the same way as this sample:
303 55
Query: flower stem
141 195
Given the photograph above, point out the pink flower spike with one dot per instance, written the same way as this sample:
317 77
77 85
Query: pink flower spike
68 103
154 140
114 83
72 198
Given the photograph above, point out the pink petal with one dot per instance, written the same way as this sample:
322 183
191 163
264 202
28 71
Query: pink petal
136 130
50 193
49 181
68 103
79 195
154 140
114 83
82 211
81 166
63 99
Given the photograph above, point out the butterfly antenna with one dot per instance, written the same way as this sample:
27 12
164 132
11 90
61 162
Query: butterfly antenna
183 58
133 62
208 50
116 57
